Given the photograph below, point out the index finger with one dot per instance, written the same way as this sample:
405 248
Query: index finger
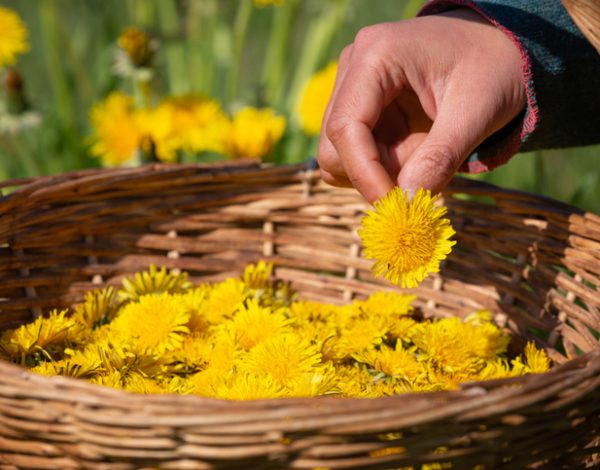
357 108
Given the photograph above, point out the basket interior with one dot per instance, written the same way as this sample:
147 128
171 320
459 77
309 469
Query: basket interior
534 262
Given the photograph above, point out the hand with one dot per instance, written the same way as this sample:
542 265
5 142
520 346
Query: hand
413 99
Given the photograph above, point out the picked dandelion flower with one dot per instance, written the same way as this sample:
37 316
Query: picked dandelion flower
407 239
285 358
253 133
153 325
537 359
314 99
253 324
13 40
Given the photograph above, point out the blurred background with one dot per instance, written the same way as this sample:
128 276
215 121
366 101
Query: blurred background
219 57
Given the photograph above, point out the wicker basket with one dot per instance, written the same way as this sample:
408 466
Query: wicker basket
534 262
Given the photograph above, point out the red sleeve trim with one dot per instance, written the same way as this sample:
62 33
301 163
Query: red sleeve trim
512 144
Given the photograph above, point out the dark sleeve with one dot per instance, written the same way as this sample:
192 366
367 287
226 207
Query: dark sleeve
560 71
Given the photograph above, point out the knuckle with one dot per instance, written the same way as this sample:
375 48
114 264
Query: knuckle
366 36
336 129
346 53
439 161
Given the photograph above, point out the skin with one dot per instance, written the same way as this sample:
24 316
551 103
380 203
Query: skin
413 99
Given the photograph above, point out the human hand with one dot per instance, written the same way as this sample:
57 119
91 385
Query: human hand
413 99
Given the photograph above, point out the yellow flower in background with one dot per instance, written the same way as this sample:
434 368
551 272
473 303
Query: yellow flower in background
253 133
407 239
200 122
313 100
155 324
159 138
116 133
13 37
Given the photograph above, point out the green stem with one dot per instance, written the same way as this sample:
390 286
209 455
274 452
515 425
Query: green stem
56 71
276 60
316 46
174 48
539 173
31 165
240 29
411 9
203 19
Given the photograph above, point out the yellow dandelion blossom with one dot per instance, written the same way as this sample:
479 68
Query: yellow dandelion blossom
112 380
193 355
45 337
200 122
158 135
285 358
248 386
195 302
398 363
253 133
13 40
322 381
407 239
224 299
314 99
361 334
99 307
153 281
257 276
537 359
78 364
138 383
116 134
154 324
253 324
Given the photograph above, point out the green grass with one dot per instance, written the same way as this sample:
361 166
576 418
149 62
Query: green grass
227 50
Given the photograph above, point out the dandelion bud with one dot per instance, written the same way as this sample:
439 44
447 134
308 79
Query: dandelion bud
14 89
136 43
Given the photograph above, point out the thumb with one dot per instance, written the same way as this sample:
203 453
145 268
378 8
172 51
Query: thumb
457 130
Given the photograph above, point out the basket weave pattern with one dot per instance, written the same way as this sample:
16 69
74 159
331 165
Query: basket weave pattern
534 262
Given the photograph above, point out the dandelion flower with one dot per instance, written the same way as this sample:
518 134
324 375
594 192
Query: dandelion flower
13 40
285 358
407 239
537 359
153 281
154 324
314 99
116 133
46 337
159 138
248 386
253 324
200 122
253 133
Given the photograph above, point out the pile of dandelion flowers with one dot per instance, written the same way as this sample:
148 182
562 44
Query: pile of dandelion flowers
407 239
13 40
